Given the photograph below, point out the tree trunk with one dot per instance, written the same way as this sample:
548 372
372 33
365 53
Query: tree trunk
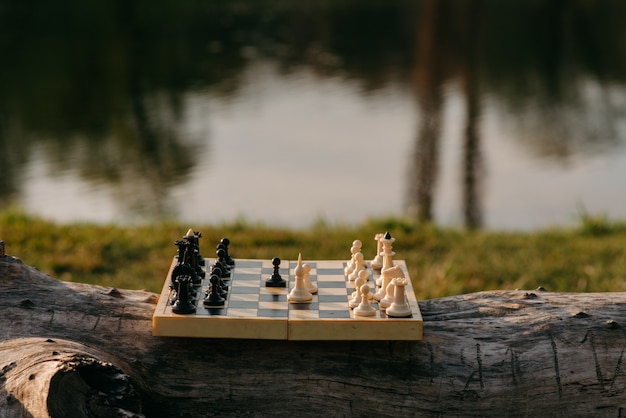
69 349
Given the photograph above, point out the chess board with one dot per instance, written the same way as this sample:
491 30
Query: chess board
255 311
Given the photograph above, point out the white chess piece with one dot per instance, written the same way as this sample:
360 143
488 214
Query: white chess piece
400 308
307 279
388 299
356 295
377 262
387 252
359 264
365 308
386 276
299 293
356 248
364 274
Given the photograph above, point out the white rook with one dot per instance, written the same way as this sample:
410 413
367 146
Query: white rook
399 307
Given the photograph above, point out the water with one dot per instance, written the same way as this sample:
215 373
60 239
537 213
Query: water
294 114
286 150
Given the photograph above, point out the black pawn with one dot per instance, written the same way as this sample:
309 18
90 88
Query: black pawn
183 303
221 270
214 299
221 286
221 263
227 258
276 280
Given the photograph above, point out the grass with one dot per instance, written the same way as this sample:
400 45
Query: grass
442 262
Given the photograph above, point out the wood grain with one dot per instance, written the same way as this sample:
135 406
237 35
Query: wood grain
501 353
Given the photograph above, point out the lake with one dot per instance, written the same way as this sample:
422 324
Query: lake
288 114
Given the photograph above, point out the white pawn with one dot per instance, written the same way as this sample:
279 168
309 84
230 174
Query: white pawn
377 262
388 299
365 308
307 279
359 264
356 248
400 307
363 274
299 293
356 295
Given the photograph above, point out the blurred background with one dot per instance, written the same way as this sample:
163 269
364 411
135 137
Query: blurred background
478 113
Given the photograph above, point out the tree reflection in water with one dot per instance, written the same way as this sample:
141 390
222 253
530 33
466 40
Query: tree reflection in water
101 86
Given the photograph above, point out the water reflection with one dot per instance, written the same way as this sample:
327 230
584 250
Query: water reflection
437 61
108 93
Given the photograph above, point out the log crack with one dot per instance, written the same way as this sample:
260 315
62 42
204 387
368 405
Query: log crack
557 369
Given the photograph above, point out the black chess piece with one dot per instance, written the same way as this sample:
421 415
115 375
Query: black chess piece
276 280
227 258
196 237
195 262
192 257
214 299
183 303
221 264
183 246
223 285
222 289
180 270
222 253
187 257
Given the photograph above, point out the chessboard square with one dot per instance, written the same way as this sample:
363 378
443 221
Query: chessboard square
333 291
264 290
247 276
243 289
246 283
242 312
325 284
249 266
324 299
273 305
331 278
311 306
343 313
243 297
272 297
335 271
303 314
216 311
335 306
243 304
273 313
202 312
268 271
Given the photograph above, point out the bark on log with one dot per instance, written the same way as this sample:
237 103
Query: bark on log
88 350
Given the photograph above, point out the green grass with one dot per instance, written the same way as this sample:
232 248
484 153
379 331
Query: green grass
442 262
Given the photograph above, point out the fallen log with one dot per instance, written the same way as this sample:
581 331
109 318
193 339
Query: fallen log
84 350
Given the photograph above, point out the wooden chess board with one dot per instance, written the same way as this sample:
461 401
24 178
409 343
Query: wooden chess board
255 311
